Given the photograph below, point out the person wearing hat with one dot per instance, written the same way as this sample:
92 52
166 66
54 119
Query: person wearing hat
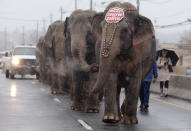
163 73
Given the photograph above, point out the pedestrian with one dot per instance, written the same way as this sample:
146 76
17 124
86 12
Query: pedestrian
145 88
163 64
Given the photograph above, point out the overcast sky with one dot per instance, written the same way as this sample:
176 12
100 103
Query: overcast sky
17 13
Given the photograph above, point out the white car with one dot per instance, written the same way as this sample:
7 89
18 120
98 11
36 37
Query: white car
1 56
188 72
22 61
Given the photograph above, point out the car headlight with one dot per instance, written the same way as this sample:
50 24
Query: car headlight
15 61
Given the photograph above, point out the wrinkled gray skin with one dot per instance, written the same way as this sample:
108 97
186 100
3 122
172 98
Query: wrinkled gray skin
127 64
57 59
82 43
41 54
39 58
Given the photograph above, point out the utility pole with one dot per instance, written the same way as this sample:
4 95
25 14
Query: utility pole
76 5
23 36
61 13
138 6
44 25
51 18
37 26
5 38
91 5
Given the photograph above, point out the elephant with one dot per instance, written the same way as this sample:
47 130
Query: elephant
39 58
57 59
82 47
127 54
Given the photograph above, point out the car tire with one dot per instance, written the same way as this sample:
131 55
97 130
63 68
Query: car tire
7 73
12 76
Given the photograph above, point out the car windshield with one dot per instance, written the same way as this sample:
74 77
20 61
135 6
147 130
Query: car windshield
24 51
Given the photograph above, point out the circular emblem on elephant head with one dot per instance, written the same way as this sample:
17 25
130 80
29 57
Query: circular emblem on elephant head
114 15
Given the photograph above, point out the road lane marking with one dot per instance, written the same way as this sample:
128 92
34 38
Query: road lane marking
57 100
42 89
85 125
33 83
172 104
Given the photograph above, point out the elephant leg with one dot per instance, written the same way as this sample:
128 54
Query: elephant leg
66 84
111 114
118 100
77 91
61 84
54 84
92 100
131 100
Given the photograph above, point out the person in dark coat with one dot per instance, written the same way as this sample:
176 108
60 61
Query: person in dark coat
145 88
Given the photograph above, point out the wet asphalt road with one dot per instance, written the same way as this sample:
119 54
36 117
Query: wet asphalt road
27 105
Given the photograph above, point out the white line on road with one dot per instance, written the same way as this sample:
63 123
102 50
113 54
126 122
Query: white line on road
33 83
57 100
42 89
85 125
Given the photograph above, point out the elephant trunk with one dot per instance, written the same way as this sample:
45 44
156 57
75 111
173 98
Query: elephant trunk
107 65
103 75
78 49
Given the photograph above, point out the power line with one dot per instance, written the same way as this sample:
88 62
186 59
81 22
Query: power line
187 22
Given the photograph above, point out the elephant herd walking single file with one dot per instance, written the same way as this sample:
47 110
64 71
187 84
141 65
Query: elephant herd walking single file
93 55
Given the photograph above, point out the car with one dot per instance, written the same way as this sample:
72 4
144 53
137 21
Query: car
188 72
1 56
22 62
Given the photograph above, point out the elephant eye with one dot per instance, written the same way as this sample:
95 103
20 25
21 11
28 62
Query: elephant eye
124 30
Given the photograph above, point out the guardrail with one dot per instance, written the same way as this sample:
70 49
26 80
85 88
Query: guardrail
179 86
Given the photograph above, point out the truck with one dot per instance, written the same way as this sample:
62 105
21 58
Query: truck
22 61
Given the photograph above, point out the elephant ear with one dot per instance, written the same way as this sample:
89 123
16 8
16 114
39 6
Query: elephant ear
48 36
66 26
143 30
96 25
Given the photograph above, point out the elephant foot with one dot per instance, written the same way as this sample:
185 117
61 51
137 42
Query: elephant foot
54 92
130 120
111 118
92 110
77 108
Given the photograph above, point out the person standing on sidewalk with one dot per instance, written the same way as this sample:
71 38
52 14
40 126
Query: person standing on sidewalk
145 88
163 64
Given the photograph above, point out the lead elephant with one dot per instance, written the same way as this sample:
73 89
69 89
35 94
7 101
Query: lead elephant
82 47
127 54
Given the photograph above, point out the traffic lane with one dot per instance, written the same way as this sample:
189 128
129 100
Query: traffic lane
27 105
52 112
166 115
